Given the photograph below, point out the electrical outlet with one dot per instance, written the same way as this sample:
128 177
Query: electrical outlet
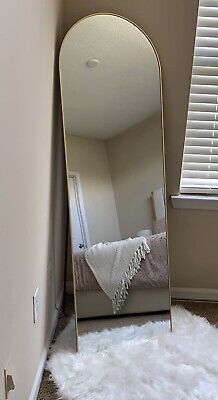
36 306
9 383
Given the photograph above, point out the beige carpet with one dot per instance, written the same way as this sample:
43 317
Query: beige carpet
205 309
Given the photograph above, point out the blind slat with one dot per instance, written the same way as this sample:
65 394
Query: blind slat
208 3
205 80
207 11
207 107
206 41
208 21
209 142
200 150
201 133
205 31
192 174
205 61
200 182
193 166
207 89
201 116
203 98
208 125
201 158
205 70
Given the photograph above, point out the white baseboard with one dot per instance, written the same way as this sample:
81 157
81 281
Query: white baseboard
194 294
43 358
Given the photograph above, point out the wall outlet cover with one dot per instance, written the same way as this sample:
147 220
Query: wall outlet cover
36 306
9 383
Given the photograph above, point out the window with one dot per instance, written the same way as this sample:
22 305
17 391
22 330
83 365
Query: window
200 159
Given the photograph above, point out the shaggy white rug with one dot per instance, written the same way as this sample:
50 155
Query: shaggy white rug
140 363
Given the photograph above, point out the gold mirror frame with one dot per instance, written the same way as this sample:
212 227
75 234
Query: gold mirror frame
70 228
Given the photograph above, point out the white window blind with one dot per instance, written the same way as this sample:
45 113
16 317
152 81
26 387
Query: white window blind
200 159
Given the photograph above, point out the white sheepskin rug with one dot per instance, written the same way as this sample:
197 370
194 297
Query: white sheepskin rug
140 362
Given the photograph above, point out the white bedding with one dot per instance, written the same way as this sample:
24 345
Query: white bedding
115 264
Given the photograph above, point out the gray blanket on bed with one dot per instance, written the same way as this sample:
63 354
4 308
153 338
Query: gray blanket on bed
153 272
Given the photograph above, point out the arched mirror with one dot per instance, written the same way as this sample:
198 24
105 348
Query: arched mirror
113 126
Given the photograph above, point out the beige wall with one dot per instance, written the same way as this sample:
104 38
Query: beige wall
89 158
171 25
31 197
136 164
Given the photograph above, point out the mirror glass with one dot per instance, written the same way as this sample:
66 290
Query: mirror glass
112 113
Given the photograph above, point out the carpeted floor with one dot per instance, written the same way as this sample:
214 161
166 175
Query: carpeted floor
205 309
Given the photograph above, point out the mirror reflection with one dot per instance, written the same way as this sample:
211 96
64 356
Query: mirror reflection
112 112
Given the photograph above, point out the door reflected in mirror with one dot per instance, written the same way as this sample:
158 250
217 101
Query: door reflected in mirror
112 113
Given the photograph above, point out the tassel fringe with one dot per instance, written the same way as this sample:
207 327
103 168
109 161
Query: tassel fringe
134 267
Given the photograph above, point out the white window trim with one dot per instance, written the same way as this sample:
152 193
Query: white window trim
195 202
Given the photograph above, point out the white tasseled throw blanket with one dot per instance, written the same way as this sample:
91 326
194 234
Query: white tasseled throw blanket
115 264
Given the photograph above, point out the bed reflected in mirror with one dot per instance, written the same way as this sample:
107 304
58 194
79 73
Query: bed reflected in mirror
112 112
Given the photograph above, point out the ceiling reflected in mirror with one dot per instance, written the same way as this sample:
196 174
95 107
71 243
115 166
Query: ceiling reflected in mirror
113 78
